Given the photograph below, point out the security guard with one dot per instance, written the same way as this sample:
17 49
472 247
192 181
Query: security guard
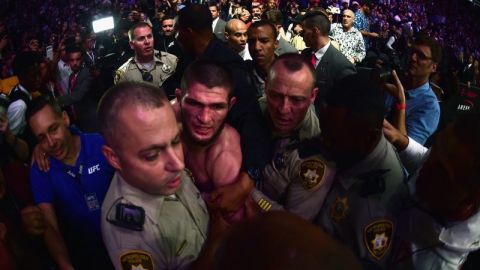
153 216
361 207
147 65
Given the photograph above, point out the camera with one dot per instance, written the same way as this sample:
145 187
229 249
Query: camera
130 216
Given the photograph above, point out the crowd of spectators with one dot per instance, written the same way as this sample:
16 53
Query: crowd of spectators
49 48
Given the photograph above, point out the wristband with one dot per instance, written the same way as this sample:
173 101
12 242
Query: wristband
400 106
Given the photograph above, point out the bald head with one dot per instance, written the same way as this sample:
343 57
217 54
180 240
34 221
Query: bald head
236 34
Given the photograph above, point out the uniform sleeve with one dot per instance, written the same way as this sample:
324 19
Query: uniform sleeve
311 181
413 156
41 185
16 116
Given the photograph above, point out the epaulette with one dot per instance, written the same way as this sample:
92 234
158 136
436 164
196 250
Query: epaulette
372 182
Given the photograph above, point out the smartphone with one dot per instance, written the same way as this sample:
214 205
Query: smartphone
49 52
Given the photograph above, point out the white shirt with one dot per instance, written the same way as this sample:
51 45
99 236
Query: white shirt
63 75
319 54
16 113
245 54
214 23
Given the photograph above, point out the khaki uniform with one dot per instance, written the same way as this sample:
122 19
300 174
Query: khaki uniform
297 180
361 207
165 65
287 182
173 232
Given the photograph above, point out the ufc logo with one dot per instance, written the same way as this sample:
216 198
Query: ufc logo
94 169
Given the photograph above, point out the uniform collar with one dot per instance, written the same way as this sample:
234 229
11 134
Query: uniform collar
348 177
152 204
463 236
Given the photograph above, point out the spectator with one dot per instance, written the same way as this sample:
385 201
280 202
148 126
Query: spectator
349 38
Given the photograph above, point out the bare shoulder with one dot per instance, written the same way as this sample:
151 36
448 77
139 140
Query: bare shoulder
225 156
228 140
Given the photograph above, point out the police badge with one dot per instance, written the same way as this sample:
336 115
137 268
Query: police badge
378 237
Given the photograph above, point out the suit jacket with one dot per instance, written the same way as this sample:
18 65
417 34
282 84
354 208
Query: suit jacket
284 47
332 67
84 100
219 30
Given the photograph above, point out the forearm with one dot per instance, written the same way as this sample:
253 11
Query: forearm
57 248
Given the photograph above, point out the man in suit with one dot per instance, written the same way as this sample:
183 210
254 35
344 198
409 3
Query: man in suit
218 25
330 64
79 99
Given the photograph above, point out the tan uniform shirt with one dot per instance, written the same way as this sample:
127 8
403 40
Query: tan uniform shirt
173 233
165 65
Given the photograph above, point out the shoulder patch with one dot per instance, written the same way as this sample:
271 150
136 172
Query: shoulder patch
311 173
136 259
377 237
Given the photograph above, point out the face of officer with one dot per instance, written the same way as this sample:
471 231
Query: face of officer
75 61
204 111
347 19
236 34
51 131
168 27
142 43
262 43
289 94
148 153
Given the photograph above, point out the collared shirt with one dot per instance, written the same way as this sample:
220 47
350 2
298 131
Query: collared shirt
319 54
351 42
16 112
422 113
63 74
77 192
245 54
214 23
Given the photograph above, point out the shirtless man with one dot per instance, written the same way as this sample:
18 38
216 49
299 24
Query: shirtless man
211 147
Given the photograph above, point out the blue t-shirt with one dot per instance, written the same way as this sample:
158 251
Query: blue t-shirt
422 113
77 192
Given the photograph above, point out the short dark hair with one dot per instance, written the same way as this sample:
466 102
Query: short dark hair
195 16
467 129
209 73
274 16
134 27
41 102
292 62
318 19
434 46
167 17
122 95
73 49
24 61
213 4
264 23
361 97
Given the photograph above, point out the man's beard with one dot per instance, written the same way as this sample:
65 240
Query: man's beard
189 136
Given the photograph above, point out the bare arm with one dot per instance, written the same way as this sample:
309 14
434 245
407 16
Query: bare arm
398 93
53 238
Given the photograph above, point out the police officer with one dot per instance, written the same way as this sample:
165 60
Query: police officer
153 215
147 65
361 207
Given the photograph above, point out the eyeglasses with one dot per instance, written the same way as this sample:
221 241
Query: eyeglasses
419 54
147 76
